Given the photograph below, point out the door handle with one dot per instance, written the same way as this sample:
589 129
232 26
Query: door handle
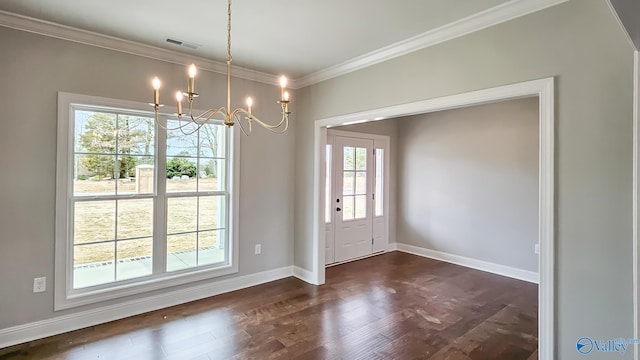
338 209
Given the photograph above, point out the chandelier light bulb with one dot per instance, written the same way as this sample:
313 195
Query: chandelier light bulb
156 83
283 85
249 104
286 96
179 100
192 81
156 93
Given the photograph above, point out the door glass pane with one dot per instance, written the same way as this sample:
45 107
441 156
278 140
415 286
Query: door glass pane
379 182
134 258
361 159
347 208
361 207
361 183
327 185
348 158
348 183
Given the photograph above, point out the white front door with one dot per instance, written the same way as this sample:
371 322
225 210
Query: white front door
353 204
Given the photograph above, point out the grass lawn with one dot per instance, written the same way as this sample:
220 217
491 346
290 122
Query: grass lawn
97 221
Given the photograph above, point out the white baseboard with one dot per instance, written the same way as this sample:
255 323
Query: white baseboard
61 324
303 274
525 275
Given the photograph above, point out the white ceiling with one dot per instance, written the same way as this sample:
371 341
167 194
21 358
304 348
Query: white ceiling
296 37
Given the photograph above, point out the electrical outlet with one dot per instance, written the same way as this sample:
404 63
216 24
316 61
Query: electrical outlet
258 250
537 249
39 284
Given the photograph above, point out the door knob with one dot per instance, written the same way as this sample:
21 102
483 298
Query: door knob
338 209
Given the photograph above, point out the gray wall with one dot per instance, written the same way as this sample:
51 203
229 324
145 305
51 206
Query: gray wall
629 13
33 69
388 128
580 44
468 182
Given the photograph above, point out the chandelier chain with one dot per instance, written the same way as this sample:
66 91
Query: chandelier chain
229 32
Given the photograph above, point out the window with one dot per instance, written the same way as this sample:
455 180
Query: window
328 206
379 183
139 206
354 183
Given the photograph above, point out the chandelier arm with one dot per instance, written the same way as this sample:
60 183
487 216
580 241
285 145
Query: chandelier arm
159 124
208 115
239 122
198 119
273 128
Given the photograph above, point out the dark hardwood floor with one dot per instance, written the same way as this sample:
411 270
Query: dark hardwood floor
392 306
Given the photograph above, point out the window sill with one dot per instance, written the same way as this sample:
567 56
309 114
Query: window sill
67 299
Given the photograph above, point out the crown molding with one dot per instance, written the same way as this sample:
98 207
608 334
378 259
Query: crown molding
614 12
58 31
493 16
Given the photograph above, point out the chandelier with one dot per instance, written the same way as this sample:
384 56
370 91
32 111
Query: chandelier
229 116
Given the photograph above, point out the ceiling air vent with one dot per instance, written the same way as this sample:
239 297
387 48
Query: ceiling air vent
183 43
175 42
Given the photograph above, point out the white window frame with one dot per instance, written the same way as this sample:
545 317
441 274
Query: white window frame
64 295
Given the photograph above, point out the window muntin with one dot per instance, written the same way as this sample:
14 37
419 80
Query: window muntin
354 183
113 222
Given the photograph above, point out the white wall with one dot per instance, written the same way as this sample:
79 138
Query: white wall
33 69
468 182
581 44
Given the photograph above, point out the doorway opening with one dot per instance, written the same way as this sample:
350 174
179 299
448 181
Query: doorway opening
544 90
356 190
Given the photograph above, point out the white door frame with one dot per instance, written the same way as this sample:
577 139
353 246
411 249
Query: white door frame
635 204
385 140
544 90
